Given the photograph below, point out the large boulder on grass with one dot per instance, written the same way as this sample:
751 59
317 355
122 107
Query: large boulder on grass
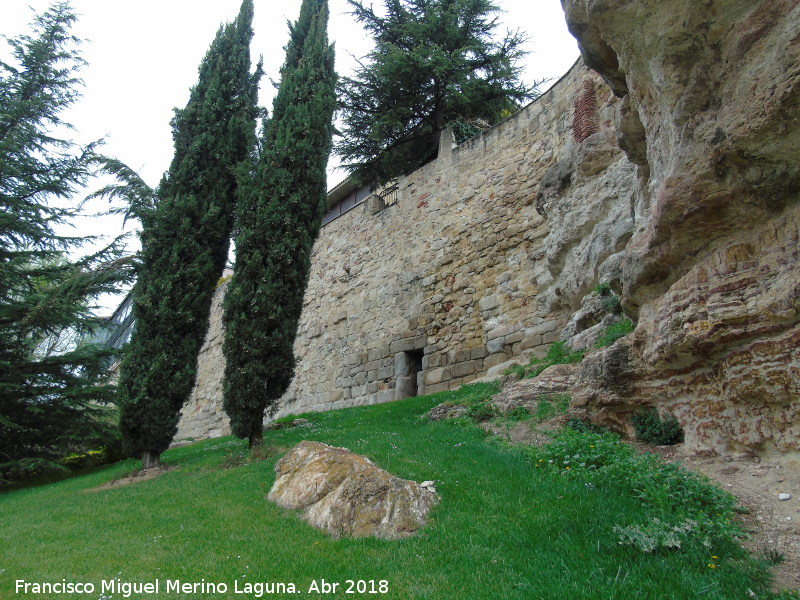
345 494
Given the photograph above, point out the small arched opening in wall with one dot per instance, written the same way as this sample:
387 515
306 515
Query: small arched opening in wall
408 373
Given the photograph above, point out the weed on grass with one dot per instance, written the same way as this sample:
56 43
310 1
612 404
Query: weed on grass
686 509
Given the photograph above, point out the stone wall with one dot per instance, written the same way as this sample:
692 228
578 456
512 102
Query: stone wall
447 276
447 279
670 174
203 417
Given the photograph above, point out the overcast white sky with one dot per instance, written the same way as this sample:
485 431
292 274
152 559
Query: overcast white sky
143 57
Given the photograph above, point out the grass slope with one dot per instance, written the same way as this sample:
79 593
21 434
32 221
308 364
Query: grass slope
502 530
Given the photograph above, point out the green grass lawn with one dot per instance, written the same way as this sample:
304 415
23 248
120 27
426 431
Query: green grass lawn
504 528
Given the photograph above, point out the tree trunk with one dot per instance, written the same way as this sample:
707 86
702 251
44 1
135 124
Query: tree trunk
256 436
151 459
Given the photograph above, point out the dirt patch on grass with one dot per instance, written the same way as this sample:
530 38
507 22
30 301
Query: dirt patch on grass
257 454
135 477
773 524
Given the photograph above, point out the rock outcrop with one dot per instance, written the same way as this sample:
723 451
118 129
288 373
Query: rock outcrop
553 381
345 494
710 121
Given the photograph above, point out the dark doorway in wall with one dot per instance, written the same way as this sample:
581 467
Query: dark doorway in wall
407 367
414 358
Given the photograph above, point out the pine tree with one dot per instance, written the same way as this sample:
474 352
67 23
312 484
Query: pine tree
436 64
53 391
278 219
185 240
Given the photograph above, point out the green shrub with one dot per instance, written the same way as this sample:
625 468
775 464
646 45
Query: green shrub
584 426
612 304
602 288
611 301
94 458
613 332
652 429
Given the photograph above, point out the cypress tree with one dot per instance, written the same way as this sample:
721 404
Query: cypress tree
278 219
185 241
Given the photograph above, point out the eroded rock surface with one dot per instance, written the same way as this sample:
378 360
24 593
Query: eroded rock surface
709 123
345 494
555 380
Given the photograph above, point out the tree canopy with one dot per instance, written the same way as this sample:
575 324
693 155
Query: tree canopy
185 237
435 64
52 393
278 218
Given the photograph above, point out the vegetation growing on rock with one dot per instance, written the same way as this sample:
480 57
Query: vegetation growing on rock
557 354
652 429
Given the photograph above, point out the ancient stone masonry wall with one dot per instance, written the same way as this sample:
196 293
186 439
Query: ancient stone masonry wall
203 417
447 276
670 174
441 287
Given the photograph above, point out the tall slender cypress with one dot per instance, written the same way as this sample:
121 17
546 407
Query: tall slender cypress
185 240
278 219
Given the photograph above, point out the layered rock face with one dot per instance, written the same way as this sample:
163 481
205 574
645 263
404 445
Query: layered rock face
710 117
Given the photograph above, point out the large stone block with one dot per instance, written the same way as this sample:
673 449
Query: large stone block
487 303
464 368
495 345
385 373
457 356
494 359
404 345
439 375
